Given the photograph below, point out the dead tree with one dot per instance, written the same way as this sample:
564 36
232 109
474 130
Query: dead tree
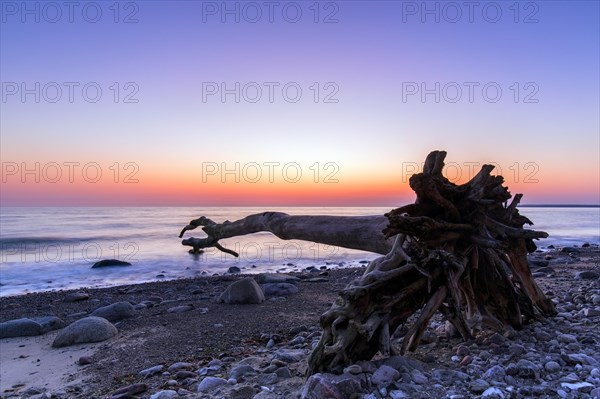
458 249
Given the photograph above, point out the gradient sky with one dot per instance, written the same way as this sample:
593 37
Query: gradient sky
368 142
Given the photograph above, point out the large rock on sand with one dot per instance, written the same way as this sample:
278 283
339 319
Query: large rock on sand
20 328
115 312
89 329
244 291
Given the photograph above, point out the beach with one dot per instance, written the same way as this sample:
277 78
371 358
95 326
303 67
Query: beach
178 341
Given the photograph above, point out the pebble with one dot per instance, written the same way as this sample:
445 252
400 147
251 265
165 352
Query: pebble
149 372
167 394
210 383
552 367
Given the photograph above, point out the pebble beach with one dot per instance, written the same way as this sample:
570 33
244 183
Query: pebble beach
178 339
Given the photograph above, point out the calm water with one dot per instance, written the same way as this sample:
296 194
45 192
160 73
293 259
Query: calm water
54 248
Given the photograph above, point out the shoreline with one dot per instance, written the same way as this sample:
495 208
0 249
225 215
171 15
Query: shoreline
204 330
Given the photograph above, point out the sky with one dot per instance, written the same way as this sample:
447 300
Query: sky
331 103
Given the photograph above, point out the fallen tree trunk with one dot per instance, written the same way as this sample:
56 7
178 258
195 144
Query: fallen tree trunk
355 232
458 249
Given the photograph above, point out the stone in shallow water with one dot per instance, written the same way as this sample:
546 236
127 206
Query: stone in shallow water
110 262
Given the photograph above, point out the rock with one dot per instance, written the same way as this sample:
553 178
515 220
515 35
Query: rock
466 360
149 372
398 394
88 329
115 312
449 375
353 369
110 262
129 391
267 379
587 275
279 289
20 328
283 372
495 373
180 366
567 338
493 393
479 386
552 367
210 383
183 374
50 323
84 360
527 369
535 263
234 269
582 358
289 355
265 278
180 309
329 386
384 376
168 394
463 351
244 392
316 280
403 364
76 297
569 250
587 312
244 291
240 371
545 270
584 387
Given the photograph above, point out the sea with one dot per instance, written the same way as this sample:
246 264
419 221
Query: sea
54 248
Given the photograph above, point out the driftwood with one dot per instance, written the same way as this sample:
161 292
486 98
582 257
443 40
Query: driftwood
458 249
356 232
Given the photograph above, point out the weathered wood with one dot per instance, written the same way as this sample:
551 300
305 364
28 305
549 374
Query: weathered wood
458 249
355 232
463 252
